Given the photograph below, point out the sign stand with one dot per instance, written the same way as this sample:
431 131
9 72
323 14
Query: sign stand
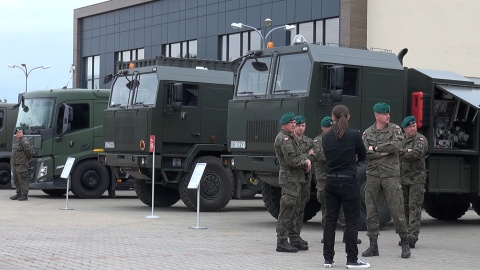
152 150
194 184
66 174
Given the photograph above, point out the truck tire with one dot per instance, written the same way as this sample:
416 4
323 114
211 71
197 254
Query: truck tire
89 179
163 197
476 205
216 186
384 212
271 199
5 176
446 206
55 192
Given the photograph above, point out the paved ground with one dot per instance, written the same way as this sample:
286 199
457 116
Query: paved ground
114 234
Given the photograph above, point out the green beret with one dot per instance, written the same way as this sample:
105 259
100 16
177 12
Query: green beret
409 120
326 121
381 108
287 118
300 119
17 129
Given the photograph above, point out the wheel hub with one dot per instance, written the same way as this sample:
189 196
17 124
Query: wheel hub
211 186
5 177
90 179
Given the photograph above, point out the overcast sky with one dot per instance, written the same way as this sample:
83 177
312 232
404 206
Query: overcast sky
37 33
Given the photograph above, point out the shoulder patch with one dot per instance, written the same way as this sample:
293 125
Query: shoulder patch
286 139
421 138
315 140
396 126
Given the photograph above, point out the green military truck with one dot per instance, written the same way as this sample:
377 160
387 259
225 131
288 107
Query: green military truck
310 79
181 104
8 117
64 123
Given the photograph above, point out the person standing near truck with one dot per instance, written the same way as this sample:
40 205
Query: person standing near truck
293 166
306 146
342 147
383 141
413 176
21 155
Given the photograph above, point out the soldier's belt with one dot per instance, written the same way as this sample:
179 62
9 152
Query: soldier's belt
340 176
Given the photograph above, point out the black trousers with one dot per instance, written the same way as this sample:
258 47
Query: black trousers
341 191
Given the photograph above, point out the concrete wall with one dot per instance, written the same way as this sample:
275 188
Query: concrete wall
439 34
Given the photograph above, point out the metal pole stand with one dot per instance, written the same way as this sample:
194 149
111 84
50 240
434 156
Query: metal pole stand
198 212
66 199
153 183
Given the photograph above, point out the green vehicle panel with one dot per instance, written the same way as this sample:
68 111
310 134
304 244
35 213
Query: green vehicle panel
8 117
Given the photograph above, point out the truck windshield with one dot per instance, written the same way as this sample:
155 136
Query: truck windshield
292 73
253 77
39 115
125 92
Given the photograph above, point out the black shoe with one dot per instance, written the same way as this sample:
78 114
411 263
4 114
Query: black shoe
286 247
328 263
299 245
23 197
357 265
15 197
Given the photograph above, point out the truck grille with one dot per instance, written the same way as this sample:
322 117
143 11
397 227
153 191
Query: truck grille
261 131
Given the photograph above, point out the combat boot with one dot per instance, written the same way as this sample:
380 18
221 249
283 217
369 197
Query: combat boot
411 241
23 197
16 196
284 246
405 247
373 248
299 245
298 239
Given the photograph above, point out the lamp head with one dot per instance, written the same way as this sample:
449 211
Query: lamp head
11 66
289 27
236 25
24 65
45 67
268 22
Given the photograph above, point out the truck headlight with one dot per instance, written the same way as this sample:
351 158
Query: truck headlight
42 170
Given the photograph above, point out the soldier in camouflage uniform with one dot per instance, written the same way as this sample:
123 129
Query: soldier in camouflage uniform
306 146
413 173
383 141
21 155
293 166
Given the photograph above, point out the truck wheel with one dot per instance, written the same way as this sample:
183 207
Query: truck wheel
163 197
476 205
5 176
216 186
271 199
445 206
384 212
89 180
55 192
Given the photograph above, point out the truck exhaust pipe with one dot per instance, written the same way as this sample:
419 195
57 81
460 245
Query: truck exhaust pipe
401 54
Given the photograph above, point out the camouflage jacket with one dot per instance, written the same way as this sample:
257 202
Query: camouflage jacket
388 140
21 153
319 156
291 159
412 164
305 144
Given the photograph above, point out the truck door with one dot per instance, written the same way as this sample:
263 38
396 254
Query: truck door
352 96
78 139
3 130
182 123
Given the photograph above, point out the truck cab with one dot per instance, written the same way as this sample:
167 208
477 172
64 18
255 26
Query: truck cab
8 117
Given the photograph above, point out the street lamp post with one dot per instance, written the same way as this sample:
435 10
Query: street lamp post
268 22
25 70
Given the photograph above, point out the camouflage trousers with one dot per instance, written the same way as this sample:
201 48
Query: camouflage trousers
413 201
19 174
289 210
392 190
304 198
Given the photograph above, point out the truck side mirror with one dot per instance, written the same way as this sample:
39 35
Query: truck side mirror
64 119
177 97
335 84
108 78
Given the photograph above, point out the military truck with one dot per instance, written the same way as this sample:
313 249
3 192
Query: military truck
64 123
310 79
8 117
180 105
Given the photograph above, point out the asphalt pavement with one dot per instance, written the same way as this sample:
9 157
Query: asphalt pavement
115 234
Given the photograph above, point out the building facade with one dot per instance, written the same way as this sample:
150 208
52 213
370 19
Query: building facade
121 30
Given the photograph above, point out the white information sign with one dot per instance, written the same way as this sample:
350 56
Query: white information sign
68 167
197 175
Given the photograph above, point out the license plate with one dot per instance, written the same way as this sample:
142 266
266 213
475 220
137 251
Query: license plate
237 144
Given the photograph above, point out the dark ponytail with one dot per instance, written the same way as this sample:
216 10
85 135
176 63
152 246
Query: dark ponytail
341 114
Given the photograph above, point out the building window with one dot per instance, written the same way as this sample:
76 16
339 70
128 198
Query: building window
1 119
185 49
130 55
92 71
325 32
235 45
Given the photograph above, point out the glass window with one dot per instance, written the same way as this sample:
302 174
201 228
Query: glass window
1 119
350 82
190 95
293 73
306 30
192 49
81 116
140 54
332 31
255 41
224 48
125 56
175 50
120 94
245 45
319 32
253 77
233 47
39 115
89 68
92 72
146 91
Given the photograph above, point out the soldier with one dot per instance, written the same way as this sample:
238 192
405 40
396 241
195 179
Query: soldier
306 146
412 168
383 141
342 147
21 155
293 166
